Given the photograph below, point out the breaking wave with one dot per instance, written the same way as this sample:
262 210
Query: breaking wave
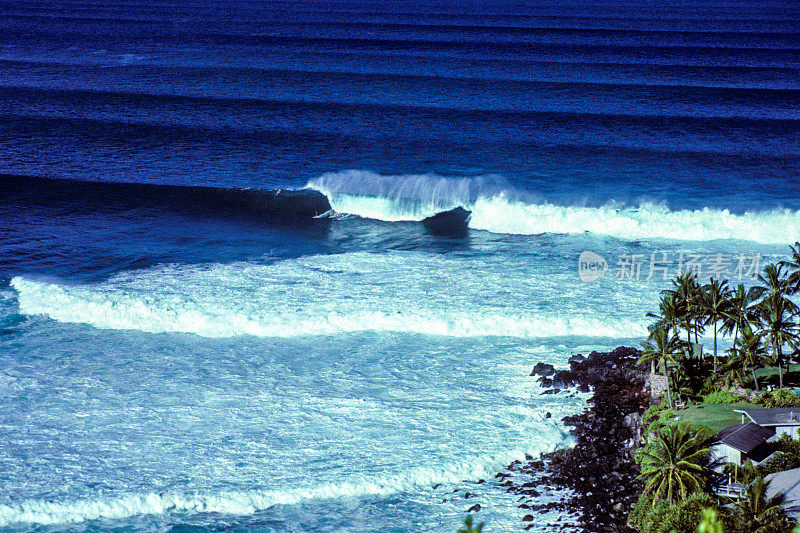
498 208
242 503
327 294
121 309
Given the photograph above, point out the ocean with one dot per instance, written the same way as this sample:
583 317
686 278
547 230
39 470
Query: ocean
191 341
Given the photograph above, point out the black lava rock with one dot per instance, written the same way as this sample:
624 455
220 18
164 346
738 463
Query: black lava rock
543 369
564 379
599 469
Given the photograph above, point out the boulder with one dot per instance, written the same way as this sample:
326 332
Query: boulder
543 369
563 379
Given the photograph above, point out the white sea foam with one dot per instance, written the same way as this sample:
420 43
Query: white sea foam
248 502
498 209
322 295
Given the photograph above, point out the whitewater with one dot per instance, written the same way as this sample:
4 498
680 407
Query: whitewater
498 208
404 292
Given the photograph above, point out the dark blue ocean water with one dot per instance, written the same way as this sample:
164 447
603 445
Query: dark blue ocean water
184 346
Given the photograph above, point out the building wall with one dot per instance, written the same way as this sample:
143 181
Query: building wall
792 431
725 454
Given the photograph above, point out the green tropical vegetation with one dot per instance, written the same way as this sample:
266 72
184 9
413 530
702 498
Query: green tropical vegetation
674 463
469 528
762 323
754 512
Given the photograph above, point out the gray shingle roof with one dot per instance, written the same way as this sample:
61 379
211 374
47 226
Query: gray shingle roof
744 437
776 416
788 483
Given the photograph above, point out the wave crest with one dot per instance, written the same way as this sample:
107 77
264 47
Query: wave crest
123 309
499 208
407 292
247 502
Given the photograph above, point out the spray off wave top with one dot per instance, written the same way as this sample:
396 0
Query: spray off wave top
498 208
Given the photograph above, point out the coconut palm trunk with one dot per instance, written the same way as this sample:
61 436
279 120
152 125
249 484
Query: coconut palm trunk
669 389
715 346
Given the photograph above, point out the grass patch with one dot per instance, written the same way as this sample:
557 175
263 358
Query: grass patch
715 417
769 375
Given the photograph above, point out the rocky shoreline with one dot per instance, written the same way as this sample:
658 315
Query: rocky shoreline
599 470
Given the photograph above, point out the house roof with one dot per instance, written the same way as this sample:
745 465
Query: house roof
788 483
744 437
776 416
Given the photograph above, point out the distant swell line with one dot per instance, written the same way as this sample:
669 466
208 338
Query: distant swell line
411 43
661 63
539 84
498 111
444 26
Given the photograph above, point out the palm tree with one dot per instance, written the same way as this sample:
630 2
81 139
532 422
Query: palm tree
776 325
755 513
775 284
747 353
793 269
670 312
681 379
675 463
713 304
734 369
664 351
685 292
739 310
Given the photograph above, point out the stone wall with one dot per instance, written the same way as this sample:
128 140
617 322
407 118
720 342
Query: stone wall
657 385
747 393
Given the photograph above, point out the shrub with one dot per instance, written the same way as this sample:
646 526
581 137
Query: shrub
653 418
681 518
469 528
653 412
786 458
722 397
645 515
710 522
779 398
711 384
789 445
779 462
